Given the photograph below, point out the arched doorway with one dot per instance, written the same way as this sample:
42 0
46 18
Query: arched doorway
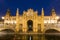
30 25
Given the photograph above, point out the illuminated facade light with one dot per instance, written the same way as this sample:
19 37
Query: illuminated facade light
2 17
57 17
45 21
8 22
12 22
50 21
15 22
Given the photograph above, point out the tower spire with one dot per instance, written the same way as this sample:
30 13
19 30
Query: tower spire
17 20
8 12
17 13
42 20
42 12
53 13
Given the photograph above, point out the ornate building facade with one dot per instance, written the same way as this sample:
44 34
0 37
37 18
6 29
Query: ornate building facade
29 21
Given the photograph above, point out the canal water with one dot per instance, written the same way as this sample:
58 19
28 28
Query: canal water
28 37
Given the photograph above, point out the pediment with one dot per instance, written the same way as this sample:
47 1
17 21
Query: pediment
30 12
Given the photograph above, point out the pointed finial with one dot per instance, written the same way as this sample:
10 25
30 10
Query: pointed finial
8 12
53 12
8 9
42 12
17 10
17 13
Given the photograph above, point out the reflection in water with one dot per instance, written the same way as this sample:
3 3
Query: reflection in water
52 37
29 37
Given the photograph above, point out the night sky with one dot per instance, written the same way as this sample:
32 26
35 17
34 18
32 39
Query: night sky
26 4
